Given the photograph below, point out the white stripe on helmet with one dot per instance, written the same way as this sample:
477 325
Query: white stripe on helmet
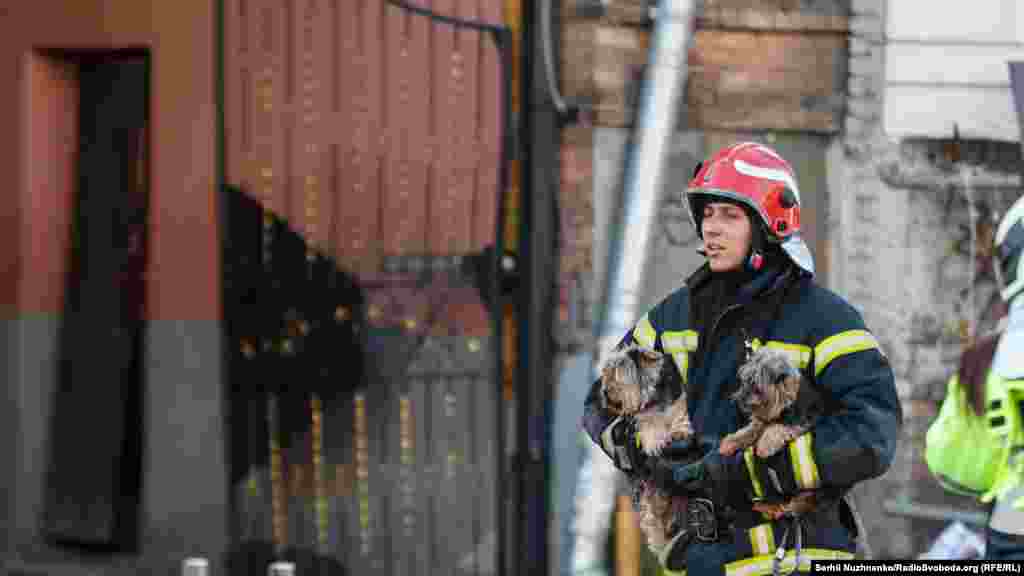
768 173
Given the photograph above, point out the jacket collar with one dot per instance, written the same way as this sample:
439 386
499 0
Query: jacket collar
768 279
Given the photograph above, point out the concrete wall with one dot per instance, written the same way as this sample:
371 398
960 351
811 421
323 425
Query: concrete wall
900 224
184 475
955 59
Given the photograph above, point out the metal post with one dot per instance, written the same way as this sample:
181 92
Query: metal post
281 569
629 248
657 118
195 567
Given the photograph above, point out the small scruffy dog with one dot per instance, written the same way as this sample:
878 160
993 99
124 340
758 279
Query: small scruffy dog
644 384
781 407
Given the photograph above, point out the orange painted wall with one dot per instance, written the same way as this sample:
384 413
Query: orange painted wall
36 141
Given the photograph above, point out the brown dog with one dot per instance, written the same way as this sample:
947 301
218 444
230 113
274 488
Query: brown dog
644 384
769 390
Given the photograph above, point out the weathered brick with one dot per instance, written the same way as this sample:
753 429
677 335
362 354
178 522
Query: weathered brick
748 80
619 56
577 58
862 45
920 409
626 11
756 19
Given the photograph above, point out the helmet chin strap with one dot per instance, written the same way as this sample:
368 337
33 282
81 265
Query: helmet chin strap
755 261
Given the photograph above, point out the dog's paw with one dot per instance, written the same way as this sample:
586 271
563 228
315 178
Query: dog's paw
728 447
770 511
681 429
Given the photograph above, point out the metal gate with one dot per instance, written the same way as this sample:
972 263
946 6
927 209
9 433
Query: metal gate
365 154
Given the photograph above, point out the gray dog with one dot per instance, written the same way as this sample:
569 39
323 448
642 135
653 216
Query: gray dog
644 384
782 406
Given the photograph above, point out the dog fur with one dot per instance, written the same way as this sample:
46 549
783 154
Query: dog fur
644 384
770 387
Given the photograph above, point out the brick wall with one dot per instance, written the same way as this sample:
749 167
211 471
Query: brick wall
892 223
775 65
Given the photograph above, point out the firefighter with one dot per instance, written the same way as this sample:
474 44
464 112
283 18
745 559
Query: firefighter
755 289
1004 404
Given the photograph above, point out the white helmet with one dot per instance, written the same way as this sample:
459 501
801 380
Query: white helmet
1009 249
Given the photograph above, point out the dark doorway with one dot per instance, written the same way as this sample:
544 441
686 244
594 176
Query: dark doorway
94 476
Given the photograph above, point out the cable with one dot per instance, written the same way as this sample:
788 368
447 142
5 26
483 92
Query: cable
549 60
476 24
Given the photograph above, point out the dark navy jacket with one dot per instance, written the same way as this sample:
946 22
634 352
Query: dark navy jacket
854 441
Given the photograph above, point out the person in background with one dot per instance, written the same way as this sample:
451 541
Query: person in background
1004 395
757 289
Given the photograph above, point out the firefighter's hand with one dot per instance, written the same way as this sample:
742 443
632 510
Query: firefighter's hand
619 440
706 473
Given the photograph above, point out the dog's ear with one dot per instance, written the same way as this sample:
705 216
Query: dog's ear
645 357
781 377
792 385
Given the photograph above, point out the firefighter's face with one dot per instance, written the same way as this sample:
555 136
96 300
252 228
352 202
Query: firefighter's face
726 230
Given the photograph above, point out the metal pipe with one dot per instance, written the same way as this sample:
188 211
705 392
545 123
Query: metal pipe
629 243
195 567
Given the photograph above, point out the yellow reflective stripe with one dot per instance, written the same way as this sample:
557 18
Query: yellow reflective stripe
691 339
755 481
680 340
841 344
606 437
682 363
644 333
762 539
678 344
799 355
805 470
673 342
762 565
1015 384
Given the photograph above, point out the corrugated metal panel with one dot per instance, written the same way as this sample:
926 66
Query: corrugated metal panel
359 203
376 133
404 50
372 130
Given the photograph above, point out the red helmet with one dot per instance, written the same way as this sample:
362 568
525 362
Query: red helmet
755 176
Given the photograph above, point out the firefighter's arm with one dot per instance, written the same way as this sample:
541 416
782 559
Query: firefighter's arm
855 439
616 436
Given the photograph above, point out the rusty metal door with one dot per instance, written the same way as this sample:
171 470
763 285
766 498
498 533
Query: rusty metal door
376 135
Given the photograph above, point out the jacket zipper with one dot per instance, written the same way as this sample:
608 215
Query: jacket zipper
728 309
714 325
